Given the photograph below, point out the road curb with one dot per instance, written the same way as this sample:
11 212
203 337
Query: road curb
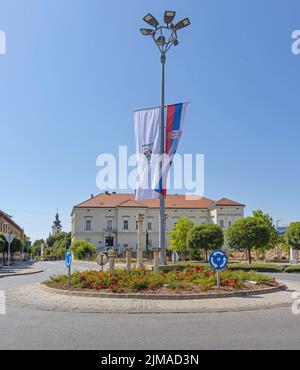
29 272
37 297
157 297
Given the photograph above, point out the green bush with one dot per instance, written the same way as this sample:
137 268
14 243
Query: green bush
293 269
257 267
83 250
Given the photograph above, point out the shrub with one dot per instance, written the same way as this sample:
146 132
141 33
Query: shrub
83 250
293 269
257 268
197 278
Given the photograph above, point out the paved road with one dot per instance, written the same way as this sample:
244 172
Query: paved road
31 329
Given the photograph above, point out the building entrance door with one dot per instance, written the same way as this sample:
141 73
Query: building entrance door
109 241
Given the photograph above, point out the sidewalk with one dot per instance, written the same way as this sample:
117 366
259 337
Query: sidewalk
18 270
35 296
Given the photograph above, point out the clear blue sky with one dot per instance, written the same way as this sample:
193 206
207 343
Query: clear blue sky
75 70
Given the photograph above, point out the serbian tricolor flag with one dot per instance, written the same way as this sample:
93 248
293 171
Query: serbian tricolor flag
176 116
147 122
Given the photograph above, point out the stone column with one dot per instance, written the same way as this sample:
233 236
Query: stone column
112 255
140 221
42 251
128 259
156 252
293 256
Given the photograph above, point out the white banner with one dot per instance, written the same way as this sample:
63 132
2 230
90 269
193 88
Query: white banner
147 138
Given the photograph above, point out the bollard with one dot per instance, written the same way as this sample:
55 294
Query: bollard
112 255
156 252
140 221
128 259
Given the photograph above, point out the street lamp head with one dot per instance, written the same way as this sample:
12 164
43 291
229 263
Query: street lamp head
169 16
146 31
182 24
151 20
161 41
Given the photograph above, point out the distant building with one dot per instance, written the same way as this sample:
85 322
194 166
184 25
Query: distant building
57 226
109 220
7 225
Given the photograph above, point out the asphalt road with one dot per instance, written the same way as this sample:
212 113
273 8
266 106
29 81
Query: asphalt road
31 329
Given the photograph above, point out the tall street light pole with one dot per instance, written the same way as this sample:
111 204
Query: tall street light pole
164 36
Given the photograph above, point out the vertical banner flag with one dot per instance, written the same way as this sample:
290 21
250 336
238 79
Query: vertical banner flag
147 138
176 116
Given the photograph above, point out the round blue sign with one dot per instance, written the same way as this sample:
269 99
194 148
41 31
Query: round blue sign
218 260
68 258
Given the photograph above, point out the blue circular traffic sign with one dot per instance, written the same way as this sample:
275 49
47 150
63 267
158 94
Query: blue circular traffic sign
218 260
68 258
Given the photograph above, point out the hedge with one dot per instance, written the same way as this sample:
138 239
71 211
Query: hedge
245 267
293 269
257 267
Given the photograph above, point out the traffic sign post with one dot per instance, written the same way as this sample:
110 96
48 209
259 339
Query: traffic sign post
9 238
218 261
102 259
68 264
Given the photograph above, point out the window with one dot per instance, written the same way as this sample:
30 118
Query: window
222 223
125 225
149 226
229 223
109 224
136 225
88 225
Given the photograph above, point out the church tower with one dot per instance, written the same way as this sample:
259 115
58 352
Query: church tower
56 227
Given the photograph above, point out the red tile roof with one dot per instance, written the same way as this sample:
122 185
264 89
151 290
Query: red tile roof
112 200
224 202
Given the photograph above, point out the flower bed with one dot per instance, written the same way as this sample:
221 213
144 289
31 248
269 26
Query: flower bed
191 281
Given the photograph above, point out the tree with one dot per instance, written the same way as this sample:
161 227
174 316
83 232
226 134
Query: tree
267 220
178 237
57 245
247 234
83 250
58 237
292 235
37 247
206 237
3 246
16 246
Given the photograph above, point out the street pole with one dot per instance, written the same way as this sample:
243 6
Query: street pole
8 254
164 36
162 229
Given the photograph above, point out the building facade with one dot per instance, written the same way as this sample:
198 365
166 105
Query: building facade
7 225
109 220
